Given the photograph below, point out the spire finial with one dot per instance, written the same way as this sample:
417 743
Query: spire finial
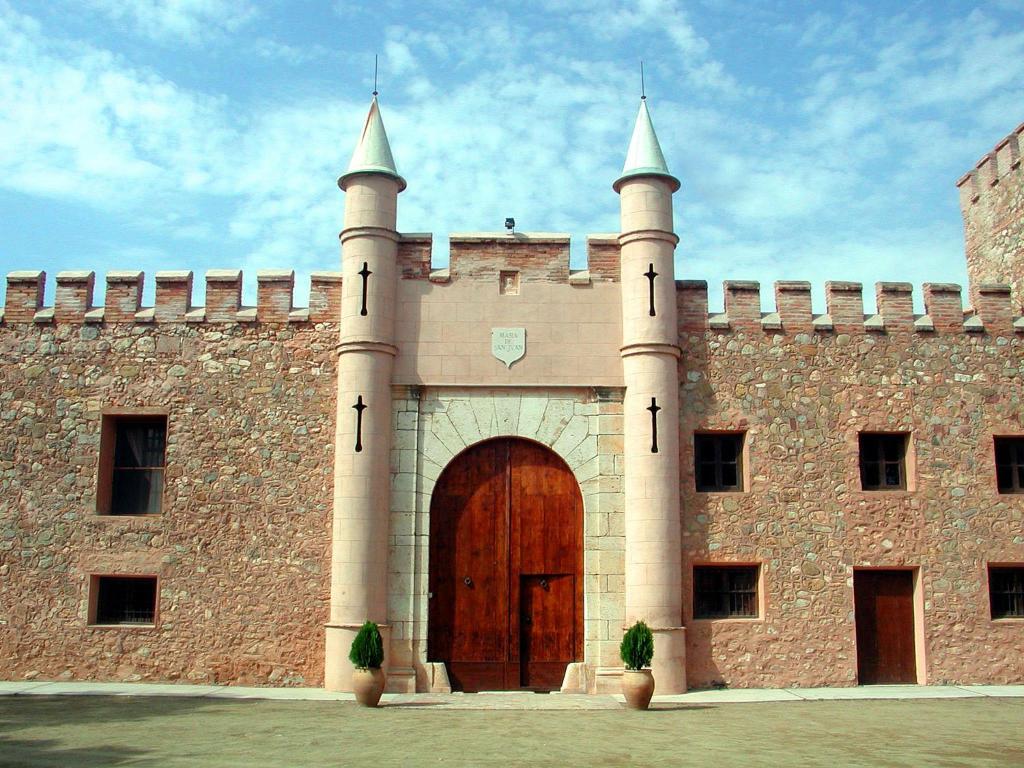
375 74
643 91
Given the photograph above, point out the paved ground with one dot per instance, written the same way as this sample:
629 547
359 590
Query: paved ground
37 729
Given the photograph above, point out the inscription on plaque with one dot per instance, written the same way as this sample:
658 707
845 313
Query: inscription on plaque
508 344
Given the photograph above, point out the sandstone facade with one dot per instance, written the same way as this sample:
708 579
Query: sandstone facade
253 568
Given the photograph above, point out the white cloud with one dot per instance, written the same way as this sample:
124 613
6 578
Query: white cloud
190 21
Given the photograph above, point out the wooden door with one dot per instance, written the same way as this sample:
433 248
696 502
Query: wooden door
547 641
884 612
505 516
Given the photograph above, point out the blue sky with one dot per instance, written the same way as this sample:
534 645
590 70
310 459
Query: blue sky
816 141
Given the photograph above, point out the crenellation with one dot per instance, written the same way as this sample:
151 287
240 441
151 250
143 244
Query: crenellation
603 258
275 296
994 307
324 297
793 305
73 297
1007 154
124 296
537 256
692 305
844 303
414 255
274 290
743 304
943 305
223 295
173 296
895 302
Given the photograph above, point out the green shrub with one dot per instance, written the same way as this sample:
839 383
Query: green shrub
367 647
637 648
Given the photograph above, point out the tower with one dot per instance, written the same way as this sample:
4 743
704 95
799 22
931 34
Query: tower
650 354
366 353
992 204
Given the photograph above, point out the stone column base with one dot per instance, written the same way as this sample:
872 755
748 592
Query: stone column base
338 642
669 665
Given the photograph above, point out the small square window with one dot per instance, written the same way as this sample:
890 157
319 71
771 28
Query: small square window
725 592
883 461
718 461
132 458
1006 591
124 599
1010 464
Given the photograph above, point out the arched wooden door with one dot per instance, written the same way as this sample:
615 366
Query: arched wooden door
506 568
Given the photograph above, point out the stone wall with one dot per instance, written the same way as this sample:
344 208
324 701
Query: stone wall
802 398
241 546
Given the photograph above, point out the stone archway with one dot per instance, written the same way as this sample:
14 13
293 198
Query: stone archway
506 567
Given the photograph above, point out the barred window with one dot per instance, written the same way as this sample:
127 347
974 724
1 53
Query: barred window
1006 591
125 599
1010 464
883 461
718 461
722 592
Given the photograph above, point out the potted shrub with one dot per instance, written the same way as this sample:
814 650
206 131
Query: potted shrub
367 654
637 650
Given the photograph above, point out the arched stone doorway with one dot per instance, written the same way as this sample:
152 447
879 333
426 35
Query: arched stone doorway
506 567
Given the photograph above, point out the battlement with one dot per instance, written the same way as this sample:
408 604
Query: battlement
991 169
844 309
541 257
73 301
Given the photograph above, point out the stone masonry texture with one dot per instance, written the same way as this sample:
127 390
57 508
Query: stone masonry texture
242 546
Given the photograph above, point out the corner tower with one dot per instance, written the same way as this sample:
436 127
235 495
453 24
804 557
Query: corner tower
992 203
366 352
650 354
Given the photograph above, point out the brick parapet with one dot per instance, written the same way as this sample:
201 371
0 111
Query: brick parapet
944 310
994 310
73 301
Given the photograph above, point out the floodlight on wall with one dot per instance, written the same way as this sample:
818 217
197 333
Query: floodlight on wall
510 225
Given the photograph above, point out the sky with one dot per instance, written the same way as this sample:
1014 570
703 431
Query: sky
814 140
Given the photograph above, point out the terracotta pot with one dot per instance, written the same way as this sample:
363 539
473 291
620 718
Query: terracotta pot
637 687
368 685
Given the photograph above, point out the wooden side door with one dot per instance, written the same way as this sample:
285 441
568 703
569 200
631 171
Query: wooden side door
468 580
884 613
547 639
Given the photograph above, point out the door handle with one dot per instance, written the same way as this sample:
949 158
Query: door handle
467 581
543 583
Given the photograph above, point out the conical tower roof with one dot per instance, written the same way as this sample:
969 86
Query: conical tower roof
373 152
645 157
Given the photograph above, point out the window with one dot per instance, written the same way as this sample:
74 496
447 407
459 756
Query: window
132 465
724 592
1006 591
124 599
883 461
718 461
1010 464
